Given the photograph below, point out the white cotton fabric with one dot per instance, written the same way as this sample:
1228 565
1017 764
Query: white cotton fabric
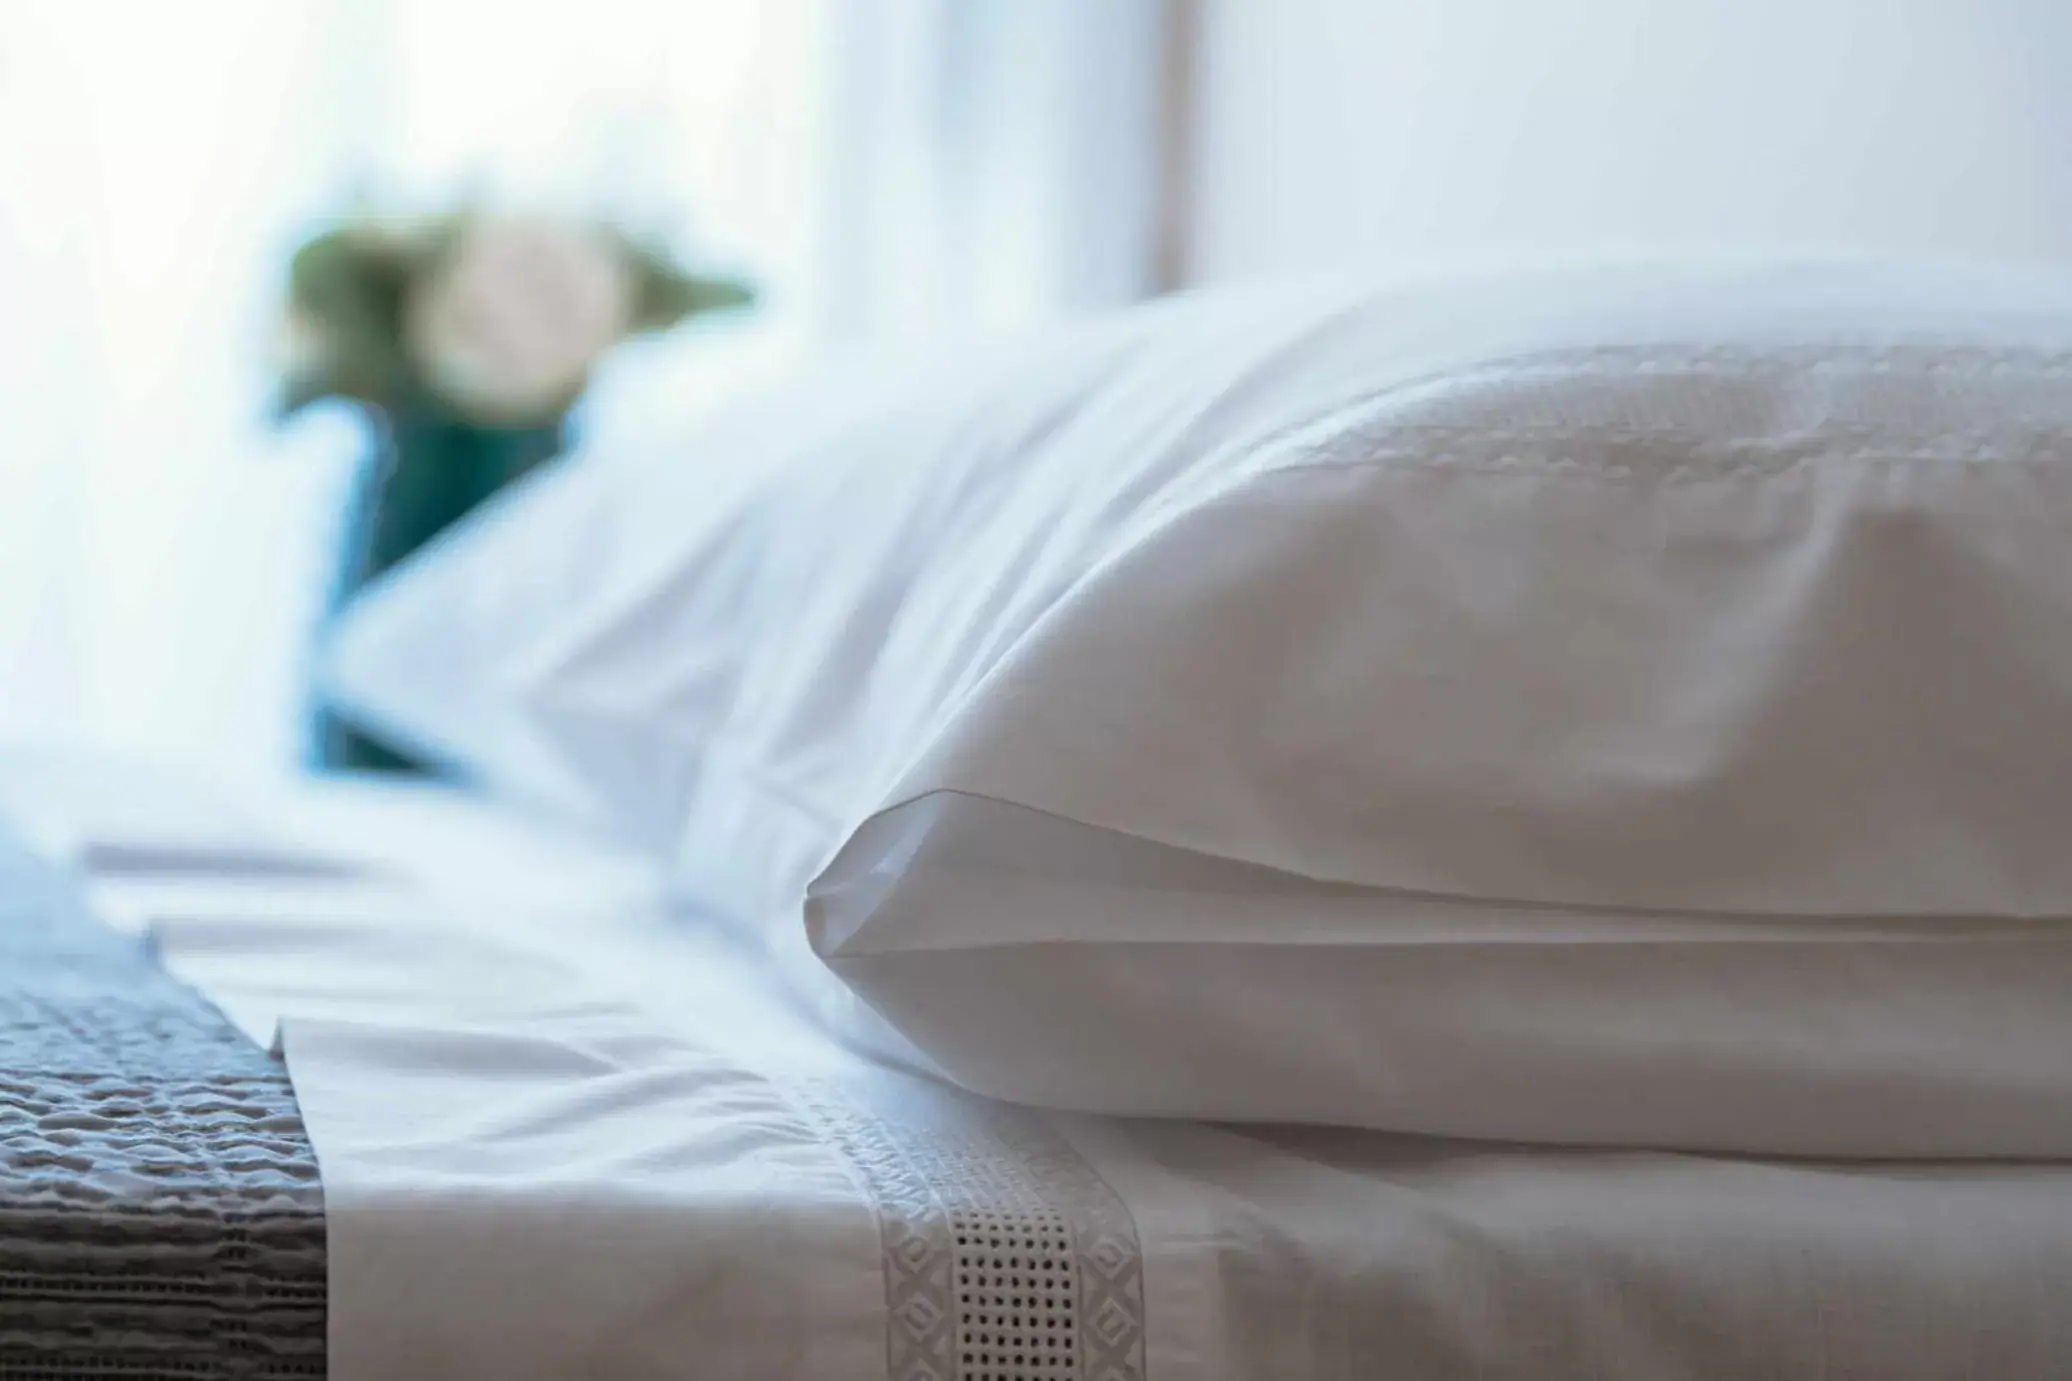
1604 706
633 1187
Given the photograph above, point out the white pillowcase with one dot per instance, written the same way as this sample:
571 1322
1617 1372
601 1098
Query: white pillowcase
1618 705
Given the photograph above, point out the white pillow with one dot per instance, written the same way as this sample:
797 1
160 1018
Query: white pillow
1616 705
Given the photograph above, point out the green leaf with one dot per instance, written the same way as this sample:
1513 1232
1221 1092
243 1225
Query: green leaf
665 295
350 286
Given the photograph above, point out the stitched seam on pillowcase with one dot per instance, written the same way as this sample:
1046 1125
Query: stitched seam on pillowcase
1794 359
1555 460
1899 440
1692 360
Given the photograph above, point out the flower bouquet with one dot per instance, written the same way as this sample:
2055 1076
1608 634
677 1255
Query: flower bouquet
467 338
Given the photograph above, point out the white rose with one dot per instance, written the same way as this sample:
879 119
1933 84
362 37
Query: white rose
510 324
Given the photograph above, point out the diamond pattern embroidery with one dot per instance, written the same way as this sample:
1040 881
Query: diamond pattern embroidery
1006 1257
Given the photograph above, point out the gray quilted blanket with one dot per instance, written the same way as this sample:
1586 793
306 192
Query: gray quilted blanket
160 1211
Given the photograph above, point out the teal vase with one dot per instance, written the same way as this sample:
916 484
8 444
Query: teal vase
425 470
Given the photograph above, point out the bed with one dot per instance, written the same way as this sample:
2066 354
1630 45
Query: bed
565 1131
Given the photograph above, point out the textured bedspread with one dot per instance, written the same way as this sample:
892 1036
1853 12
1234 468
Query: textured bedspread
160 1211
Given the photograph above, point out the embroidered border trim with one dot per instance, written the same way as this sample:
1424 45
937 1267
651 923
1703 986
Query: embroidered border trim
1007 1257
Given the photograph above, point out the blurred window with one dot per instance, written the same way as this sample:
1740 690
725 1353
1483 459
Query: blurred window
880 168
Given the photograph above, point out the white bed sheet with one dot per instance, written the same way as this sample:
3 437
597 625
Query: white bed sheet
562 1134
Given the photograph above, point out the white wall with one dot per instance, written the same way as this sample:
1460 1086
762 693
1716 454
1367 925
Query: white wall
1396 129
